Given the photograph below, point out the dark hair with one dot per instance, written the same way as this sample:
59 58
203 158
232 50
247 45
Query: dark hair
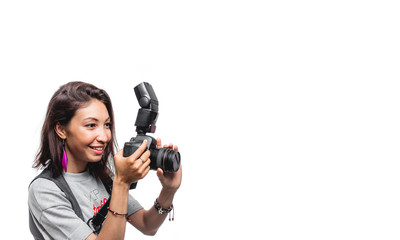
62 107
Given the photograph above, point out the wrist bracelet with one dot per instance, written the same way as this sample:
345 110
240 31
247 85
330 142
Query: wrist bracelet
161 210
117 214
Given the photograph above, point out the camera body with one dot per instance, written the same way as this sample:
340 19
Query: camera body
165 158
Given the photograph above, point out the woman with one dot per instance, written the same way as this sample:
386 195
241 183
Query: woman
77 142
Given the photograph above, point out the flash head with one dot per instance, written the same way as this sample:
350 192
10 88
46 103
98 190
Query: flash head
147 115
146 96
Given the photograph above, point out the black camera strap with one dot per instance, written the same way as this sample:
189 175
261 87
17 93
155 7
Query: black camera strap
97 220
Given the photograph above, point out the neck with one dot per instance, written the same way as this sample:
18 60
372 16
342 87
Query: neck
74 165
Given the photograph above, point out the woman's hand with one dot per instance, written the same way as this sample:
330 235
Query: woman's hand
133 168
169 181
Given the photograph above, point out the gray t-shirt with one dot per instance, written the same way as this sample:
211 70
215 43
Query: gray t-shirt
53 213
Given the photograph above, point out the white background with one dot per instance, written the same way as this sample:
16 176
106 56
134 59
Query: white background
286 113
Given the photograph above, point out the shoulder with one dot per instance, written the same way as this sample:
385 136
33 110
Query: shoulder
39 183
45 194
53 212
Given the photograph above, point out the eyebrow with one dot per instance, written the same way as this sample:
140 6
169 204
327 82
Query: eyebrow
95 119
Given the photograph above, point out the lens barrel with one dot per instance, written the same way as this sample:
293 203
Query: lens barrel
166 159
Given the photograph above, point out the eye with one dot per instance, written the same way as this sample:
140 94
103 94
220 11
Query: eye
91 125
107 125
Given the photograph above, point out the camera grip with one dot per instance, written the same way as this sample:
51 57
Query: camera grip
129 149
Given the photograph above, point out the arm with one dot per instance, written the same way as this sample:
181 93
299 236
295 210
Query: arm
149 221
114 226
127 170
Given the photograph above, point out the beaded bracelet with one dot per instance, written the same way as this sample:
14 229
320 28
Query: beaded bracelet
161 210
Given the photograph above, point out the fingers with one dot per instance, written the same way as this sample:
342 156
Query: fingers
158 142
175 148
139 151
135 167
145 167
160 174
144 156
143 162
141 166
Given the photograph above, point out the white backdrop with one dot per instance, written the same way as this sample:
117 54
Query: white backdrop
286 113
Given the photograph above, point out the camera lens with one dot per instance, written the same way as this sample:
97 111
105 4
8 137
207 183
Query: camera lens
166 159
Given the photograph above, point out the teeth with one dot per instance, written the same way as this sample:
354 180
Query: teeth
97 148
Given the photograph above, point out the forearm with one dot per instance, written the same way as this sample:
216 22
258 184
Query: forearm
114 225
166 198
151 220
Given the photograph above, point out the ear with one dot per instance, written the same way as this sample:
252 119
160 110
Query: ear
61 131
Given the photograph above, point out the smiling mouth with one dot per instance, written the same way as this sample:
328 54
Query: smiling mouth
97 148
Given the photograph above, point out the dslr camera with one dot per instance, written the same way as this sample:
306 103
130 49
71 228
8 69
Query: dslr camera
165 158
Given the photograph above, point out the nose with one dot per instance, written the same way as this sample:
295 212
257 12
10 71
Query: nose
103 135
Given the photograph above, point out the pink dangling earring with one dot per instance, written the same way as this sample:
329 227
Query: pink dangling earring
64 158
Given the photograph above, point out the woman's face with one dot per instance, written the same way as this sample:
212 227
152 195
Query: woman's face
88 134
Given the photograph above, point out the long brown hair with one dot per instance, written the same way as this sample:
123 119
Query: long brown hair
62 107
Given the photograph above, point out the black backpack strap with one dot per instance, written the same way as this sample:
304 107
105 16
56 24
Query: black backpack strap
63 185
